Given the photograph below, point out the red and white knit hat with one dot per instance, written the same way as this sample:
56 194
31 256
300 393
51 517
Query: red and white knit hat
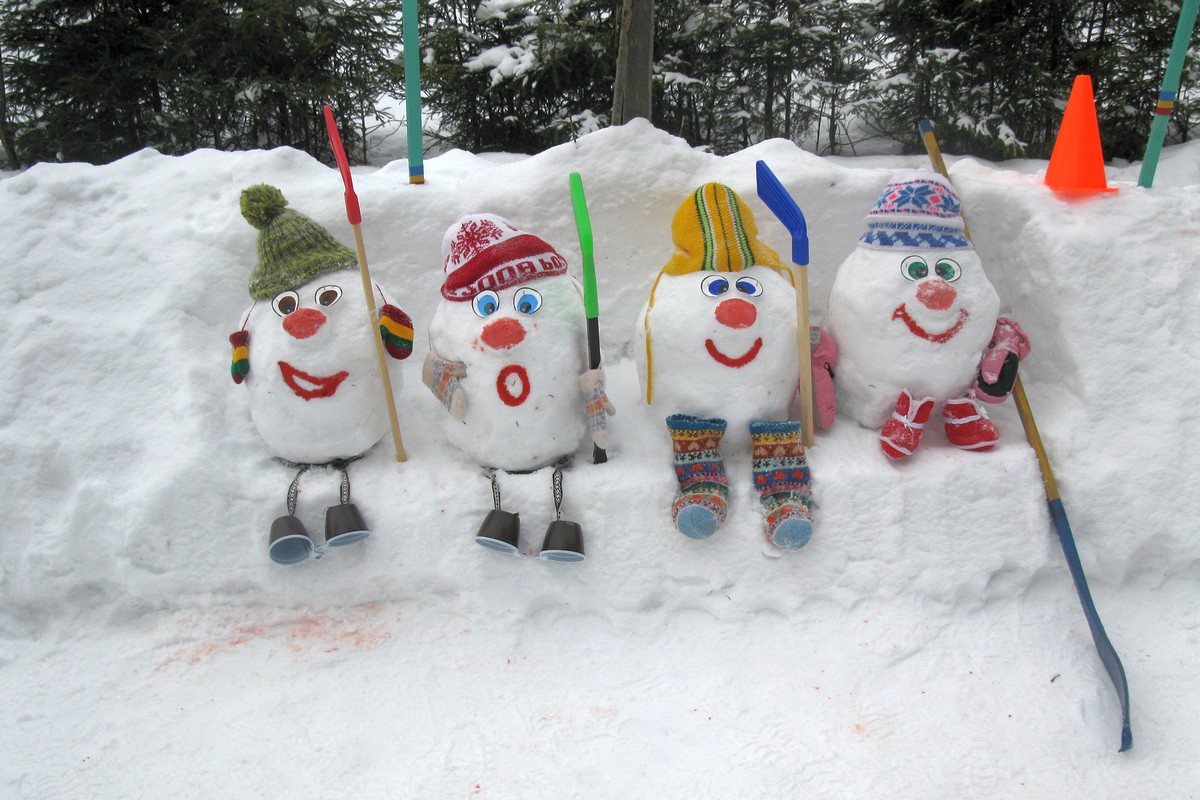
484 251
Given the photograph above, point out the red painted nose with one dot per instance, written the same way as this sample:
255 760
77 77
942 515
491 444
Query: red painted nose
936 294
736 313
503 333
304 322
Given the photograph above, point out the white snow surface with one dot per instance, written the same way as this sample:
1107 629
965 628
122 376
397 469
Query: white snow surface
926 643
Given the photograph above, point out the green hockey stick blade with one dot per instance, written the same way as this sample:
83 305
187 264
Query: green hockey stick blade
583 224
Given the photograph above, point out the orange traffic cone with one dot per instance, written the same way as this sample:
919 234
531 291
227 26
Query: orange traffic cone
1077 163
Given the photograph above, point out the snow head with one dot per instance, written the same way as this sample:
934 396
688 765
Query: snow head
910 308
511 325
315 391
719 331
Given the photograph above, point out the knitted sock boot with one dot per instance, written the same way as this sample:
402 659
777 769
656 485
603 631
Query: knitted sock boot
784 483
703 500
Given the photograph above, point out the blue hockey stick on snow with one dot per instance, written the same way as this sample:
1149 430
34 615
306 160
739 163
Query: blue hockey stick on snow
1104 648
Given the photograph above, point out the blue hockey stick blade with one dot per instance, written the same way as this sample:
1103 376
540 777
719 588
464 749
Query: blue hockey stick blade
785 209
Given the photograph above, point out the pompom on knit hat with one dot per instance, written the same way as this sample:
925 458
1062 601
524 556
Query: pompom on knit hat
292 249
918 210
484 251
714 231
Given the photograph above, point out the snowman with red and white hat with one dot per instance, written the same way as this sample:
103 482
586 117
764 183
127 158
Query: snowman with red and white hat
508 360
917 323
315 389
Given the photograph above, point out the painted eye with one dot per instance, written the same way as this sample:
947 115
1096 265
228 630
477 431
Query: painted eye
914 268
749 286
285 303
328 295
485 304
948 270
527 301
714 285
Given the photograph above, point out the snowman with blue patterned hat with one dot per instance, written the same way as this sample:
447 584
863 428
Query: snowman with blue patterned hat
917 323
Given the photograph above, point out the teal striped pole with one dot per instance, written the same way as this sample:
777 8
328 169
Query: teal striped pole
1169 91
412 92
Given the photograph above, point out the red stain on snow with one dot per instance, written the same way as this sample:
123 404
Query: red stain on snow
356 628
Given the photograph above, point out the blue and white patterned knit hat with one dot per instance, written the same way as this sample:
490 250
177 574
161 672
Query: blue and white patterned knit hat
917 211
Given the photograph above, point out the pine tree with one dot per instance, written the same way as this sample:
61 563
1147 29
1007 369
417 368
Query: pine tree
94 80
518 75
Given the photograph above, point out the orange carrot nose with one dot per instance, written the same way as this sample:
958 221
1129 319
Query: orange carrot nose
503 333
936 294
736 313
304 322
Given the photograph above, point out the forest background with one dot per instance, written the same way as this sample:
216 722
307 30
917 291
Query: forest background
95 80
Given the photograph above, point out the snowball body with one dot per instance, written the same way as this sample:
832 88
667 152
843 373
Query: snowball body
524 405
315 391
895 333
711 357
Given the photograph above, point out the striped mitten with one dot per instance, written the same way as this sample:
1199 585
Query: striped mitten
703 500
240 367
442 378
784 483
397 331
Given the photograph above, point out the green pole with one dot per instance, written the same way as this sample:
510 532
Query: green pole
412 92
1169 91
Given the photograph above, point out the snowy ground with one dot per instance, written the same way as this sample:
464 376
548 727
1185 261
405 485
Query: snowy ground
927 643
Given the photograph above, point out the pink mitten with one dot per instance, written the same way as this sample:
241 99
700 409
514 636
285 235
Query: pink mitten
998 367
824 358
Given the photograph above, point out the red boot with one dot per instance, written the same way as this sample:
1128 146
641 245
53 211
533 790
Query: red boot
967 425
902 433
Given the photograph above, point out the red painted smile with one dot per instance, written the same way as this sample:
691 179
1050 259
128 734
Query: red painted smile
901 313
308 386
740 361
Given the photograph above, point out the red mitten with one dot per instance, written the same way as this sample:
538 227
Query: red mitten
241 355
998 367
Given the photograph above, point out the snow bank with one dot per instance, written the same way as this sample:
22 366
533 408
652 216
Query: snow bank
927 642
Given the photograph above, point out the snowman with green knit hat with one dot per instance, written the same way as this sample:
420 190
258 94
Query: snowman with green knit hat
305 356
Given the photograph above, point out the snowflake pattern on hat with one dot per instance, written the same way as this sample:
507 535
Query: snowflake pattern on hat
473 236
916 213
484 252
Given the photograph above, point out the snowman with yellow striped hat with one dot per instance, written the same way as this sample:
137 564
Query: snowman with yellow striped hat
305 355
718 358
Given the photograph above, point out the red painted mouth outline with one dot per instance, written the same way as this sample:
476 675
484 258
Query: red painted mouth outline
901 313
738 362
325 386
507 397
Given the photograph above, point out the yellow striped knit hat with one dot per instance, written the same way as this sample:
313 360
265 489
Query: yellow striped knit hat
713 231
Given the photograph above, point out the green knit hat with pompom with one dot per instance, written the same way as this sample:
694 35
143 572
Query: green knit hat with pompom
292 249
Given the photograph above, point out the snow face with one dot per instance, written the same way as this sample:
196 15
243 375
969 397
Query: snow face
916 320
723 344
524 350
314 388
